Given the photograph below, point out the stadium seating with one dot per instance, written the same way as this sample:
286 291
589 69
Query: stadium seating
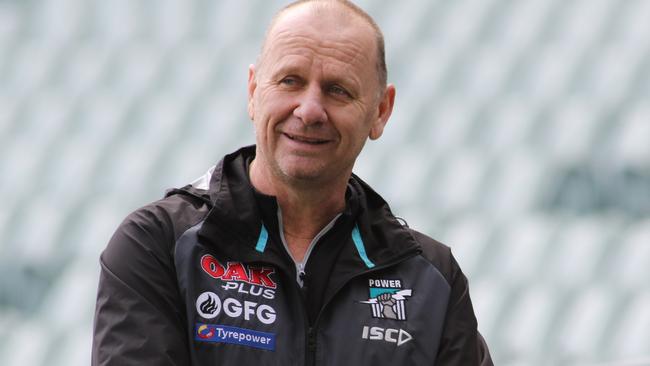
521 138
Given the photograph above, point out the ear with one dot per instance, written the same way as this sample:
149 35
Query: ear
252 85
385 109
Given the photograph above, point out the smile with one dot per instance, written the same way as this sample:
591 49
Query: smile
306 140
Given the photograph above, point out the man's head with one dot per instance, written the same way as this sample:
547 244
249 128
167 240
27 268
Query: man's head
317 93
347 8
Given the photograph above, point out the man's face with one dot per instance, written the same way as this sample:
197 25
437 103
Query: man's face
315 97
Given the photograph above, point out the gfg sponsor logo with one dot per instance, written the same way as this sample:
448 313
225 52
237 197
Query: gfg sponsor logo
209 306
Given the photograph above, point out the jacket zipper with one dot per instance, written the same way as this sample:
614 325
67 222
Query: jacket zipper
310 341
311 333
300 292
308 329
300 266
311 347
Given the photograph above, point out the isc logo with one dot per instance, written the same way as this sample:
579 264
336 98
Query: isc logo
399 336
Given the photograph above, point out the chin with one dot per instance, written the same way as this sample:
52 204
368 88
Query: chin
306 175
308 172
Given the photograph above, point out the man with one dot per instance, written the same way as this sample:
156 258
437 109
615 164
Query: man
279 255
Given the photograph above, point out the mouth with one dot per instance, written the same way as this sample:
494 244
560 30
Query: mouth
306 140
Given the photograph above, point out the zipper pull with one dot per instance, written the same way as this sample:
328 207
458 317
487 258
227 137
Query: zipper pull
302 276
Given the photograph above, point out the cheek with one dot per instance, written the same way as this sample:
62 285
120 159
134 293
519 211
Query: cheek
354 129
276 109
263 115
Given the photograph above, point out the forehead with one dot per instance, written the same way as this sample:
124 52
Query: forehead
327 31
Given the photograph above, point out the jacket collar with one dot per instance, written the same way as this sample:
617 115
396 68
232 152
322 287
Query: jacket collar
240 219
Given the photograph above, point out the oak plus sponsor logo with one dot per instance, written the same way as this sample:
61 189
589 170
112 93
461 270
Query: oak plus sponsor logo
241 278
390 335
209 305
387 299
237 271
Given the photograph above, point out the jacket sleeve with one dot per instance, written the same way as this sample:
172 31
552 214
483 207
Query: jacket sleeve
484 353
461 343
139 315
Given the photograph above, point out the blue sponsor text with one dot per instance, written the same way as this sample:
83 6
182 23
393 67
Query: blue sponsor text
234 335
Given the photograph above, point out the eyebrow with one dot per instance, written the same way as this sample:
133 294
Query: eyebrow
291 67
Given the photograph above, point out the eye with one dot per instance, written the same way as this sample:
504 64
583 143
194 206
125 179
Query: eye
289 81
339 90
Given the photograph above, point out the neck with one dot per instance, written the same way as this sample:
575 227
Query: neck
306 208
305 216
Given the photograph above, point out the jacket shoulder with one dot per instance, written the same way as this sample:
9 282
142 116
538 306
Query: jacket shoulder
139 314
170 216
153 229
436 253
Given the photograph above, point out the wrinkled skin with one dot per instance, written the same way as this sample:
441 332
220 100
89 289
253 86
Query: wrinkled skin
315 99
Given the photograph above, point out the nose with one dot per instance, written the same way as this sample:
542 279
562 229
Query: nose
310 108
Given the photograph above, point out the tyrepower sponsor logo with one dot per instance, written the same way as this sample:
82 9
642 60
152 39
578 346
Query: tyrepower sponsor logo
241 278
390 335
233 335
209 306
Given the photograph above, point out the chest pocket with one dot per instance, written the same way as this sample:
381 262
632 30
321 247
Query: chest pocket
390 317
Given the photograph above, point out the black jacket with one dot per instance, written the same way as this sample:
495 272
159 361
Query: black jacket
201 277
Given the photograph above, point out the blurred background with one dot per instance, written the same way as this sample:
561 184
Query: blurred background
521 138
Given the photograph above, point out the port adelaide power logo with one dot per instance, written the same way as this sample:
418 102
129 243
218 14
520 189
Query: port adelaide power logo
387 299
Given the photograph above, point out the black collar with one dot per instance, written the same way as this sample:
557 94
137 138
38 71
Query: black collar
238 216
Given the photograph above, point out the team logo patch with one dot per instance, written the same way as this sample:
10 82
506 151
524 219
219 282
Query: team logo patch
233 335
387 299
